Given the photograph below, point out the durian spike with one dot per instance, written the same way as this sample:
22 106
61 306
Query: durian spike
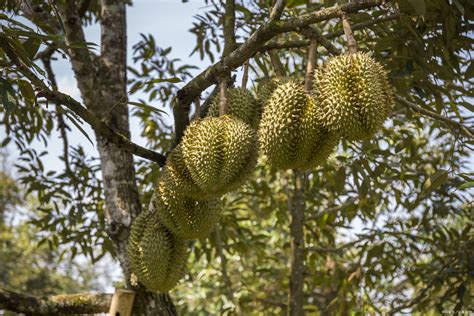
245 76
223 107
308 80
346 25
277 65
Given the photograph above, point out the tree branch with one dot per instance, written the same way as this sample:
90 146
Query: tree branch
86 303
328 36
98 125
81 58
211 75
466 131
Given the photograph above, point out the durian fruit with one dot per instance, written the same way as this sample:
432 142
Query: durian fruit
176 172
157 257
265 89
354 95
184 216
220 153
290 133
241 104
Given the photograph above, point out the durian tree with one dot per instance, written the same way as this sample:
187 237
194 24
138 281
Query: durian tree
322 164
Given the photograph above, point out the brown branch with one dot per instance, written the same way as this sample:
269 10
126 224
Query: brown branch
81 59
277 10
245 75
276 63
328 36
197 108
346 25
229 27
86 303
314 34
466 131
211 75
308 80
223 106
98 125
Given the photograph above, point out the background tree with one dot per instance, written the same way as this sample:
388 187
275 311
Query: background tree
388 222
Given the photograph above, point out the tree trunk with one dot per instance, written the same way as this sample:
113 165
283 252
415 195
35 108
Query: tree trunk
103 88
296 294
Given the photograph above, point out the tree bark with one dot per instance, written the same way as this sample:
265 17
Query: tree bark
121 192
85 303
296 293
103 86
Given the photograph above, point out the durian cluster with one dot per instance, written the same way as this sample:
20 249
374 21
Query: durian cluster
350 99
293 128
216 155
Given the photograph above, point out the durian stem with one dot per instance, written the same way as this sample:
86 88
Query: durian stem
346 25
197 108
276 63
223 98
308 80
296 294
245 76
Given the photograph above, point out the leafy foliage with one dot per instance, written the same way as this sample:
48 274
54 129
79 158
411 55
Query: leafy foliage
388 221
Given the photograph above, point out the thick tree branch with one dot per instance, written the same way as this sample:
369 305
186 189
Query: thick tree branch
229 27
466 131
81 59
98 125
267 31
55 305
328 36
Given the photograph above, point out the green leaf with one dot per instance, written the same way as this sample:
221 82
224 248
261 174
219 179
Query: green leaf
7 94
470 71
147 107
159 80
419 6
433 182
27 92
31 46
466 185
79 127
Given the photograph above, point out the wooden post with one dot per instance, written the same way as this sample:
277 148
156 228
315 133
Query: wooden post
122 303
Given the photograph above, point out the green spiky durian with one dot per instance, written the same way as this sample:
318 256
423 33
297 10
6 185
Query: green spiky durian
354 95
265 89
184 216
157 258
176 172
241 104
220 153
290 133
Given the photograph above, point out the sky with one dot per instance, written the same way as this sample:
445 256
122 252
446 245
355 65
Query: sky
168 21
